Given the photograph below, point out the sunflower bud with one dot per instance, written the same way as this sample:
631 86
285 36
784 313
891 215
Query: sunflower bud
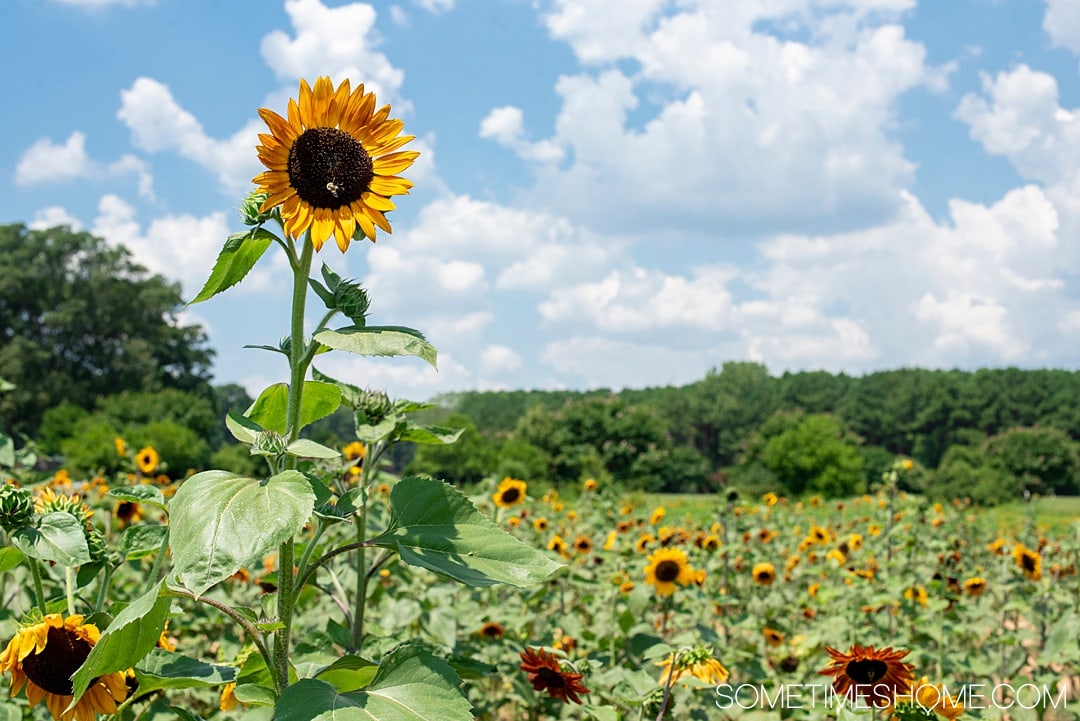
250 213
352 301
16 507
372 408
95 543
655 700
269 443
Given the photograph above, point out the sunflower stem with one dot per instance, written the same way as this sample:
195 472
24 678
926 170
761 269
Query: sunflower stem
39 590
370 463
298 369
301 568
151 581
69 589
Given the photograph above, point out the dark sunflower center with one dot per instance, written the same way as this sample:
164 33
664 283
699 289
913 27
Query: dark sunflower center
126 510
667 571
1027 561
764 576
492 630
329 168
551 679
510 495
51 669
867 671
584 545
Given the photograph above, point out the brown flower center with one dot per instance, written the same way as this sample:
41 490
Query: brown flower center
1028 562
329 168
551 679
866 671
51 669
510 495
126 510
667 571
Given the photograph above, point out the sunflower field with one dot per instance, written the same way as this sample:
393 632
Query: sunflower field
325 588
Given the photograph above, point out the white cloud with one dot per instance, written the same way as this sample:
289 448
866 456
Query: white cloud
499 359
409 378
436 6
179 247
53 216
45 162
783 133
337 41
596 362
1062 23
158 124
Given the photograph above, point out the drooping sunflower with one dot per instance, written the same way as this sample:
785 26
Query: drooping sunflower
333 163
42 658
666 567
880 673
764 573
147 460
510 492
697 661
928 697
1028 560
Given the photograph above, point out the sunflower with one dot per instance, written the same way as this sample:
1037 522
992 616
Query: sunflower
540 524
121 446
880 671
764 573
48 501
772 636
917 594
711 542
510 492
927 697
590 484
770 499
354 451
1029 561
147 460
492 629
557 544
128 512
643 542
657 515
667 567
611 540
697 661
332 165
545 674
43 656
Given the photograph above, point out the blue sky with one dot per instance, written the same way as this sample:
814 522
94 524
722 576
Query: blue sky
611 193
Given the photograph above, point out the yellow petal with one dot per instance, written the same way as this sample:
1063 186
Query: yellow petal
294 117
306 115
388 186
278 125
395 163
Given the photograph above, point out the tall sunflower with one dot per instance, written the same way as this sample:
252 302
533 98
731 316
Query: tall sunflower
332 163
668 566
881 672
764 573
42 658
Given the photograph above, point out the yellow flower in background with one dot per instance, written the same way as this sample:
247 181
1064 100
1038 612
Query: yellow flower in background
510 492
928 696
610 541
590 484
764 574
772 636
975 586
147 460
657 515
770 499
1029 561
666 567
354 451
42 658
540 524
121 446
557 544
333 163
697 661
643 542
917 594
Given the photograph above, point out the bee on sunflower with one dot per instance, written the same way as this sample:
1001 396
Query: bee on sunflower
333 163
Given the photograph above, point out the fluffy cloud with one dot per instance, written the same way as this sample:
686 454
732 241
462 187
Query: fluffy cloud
53 216
1062 23
784 134
45 162
159 124
340 42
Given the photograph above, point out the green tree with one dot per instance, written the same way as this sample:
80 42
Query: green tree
1042 460
79 320
468 460
817 456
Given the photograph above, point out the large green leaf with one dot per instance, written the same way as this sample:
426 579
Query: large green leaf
58 537
410 685
270 408
142 541
386 340
166 670
131 635
10 558
430 435
238 256
434 526
221 521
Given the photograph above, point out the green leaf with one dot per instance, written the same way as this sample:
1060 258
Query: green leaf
384 340
434 526
304 448
348 673
242 428
238 256
254 694
410 685
430 435
142 541
269 409
324 294
350 395
165 670
58 537
221 521
131 635
10 558
144 493
380 431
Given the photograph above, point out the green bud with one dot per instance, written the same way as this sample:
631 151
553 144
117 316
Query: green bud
250 212
372 408
269 443
95 543
352 301
16 507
